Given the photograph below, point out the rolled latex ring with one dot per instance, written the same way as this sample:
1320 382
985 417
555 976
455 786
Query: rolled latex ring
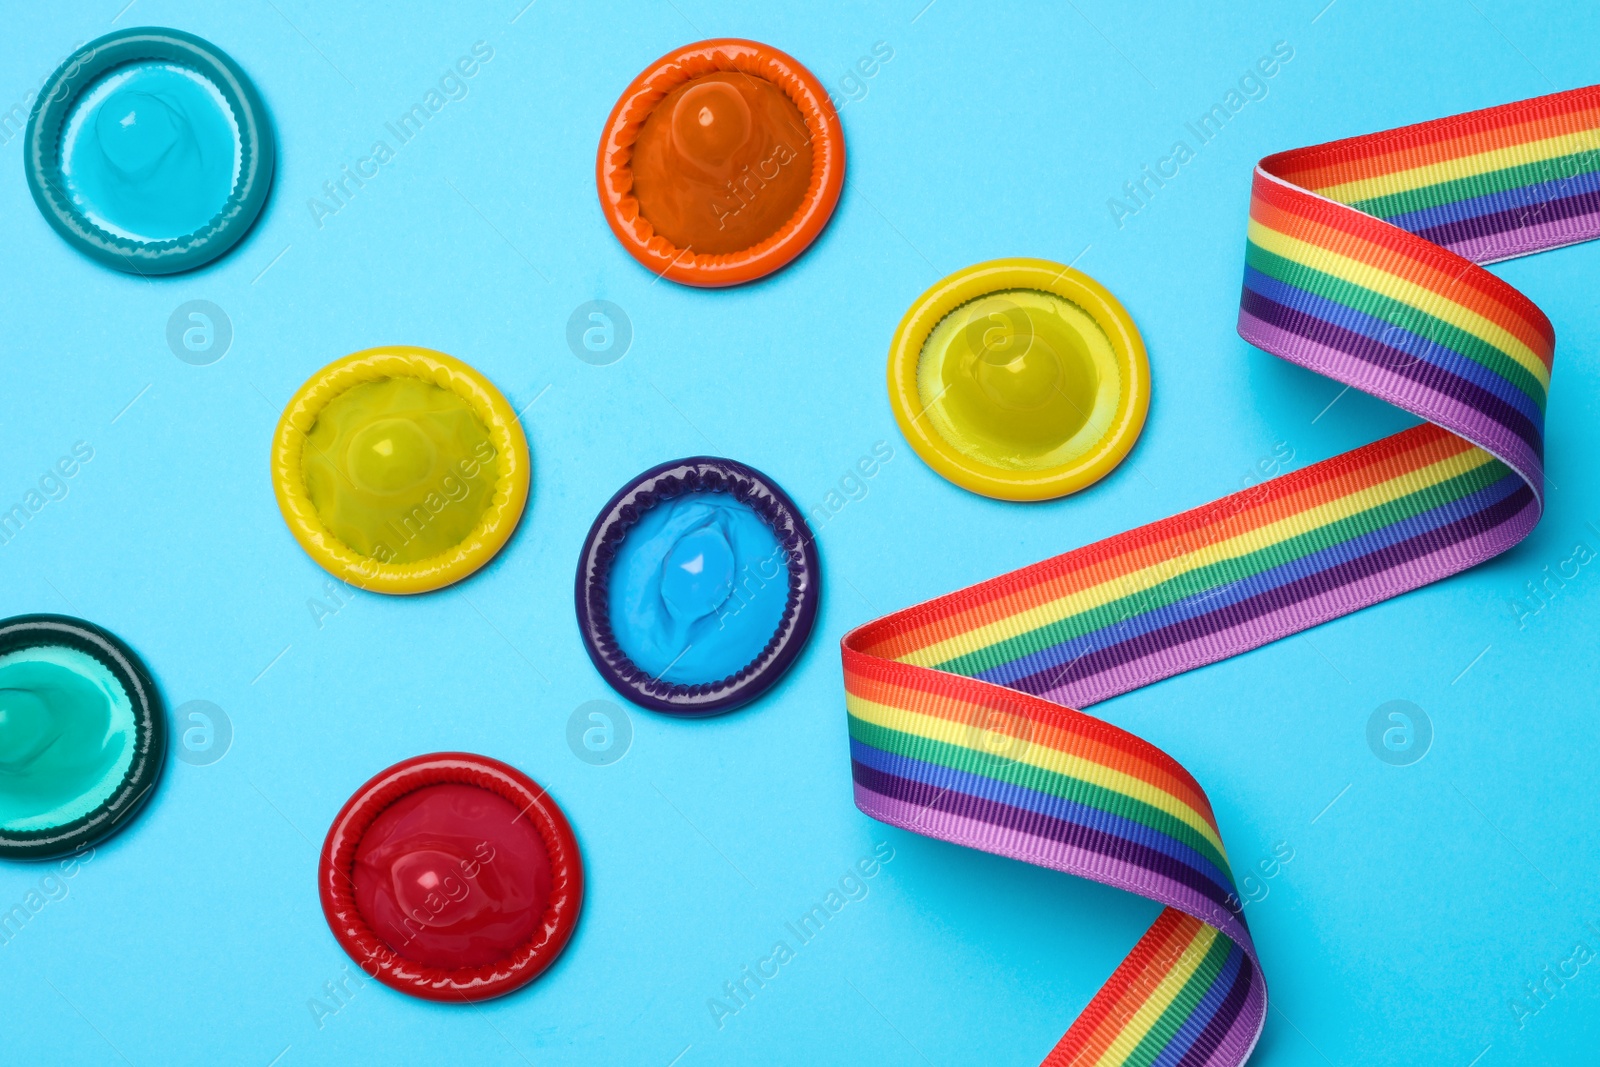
1020 379
400 479
155 201
451 877
83 736
749 190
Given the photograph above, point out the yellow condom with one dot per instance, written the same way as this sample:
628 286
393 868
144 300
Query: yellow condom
400 469
1019 379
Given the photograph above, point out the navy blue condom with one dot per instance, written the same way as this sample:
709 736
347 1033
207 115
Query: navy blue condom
150 151
697 587
82 735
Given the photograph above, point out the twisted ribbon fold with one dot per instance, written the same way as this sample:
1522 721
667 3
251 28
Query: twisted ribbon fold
1361 265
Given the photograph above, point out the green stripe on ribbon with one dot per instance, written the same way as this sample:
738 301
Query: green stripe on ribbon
1223 572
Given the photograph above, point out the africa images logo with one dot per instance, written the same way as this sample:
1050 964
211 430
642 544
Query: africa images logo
1205 128
739 992
338 192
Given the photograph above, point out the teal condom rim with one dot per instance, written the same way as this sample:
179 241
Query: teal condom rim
55 105
25 632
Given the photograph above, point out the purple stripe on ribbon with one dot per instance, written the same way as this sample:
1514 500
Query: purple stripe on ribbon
1522 197
1396 347
1344 579
1078 836
1444 411
1224 1040
1059 810
1451 234
1188 1034
1169 617
1538 237
932 815
1377 368
1332 604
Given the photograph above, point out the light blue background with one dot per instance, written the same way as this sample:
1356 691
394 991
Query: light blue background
1415 907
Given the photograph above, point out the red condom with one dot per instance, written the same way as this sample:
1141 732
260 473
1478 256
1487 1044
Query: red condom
451 877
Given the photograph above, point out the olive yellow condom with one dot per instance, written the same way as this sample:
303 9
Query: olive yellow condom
400 469
1020 379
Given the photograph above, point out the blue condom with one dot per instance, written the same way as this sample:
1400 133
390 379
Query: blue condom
698 586
150 151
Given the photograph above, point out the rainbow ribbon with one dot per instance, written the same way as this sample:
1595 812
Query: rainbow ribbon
1361 265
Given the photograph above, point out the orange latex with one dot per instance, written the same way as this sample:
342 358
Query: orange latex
723 161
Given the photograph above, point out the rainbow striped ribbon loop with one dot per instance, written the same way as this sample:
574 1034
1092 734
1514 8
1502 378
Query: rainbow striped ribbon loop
1361 266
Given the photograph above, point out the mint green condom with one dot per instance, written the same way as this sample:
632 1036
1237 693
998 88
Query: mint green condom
82 735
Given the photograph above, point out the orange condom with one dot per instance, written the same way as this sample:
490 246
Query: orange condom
721 162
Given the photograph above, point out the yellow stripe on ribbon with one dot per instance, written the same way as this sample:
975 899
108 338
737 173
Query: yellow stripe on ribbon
959 734
1235 547
1139 1024
1397 288
1404 181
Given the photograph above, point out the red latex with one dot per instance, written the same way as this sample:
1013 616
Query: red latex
452 877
